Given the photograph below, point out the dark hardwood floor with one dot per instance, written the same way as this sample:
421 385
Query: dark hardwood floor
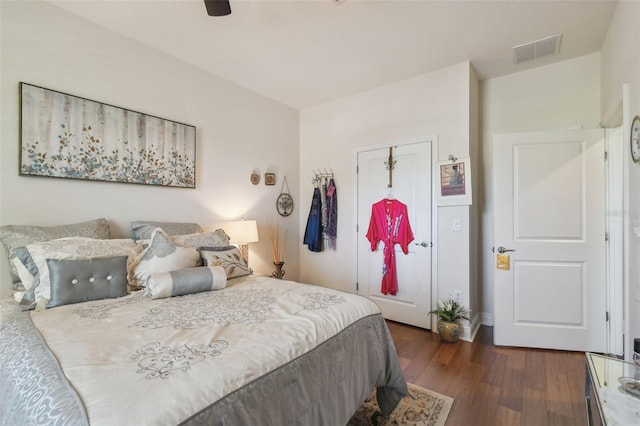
495 385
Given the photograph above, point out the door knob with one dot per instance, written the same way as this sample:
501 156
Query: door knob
423 244
503 250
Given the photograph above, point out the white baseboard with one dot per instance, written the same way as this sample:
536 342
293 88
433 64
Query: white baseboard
486 318
470 329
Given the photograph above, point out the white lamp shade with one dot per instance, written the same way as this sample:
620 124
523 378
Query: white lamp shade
243 231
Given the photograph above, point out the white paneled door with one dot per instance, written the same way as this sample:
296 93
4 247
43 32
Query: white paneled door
549 236
411 185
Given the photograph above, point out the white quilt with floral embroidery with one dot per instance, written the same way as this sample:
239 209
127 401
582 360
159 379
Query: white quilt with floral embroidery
139 361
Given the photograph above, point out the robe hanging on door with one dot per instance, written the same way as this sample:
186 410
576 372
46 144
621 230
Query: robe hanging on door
389 223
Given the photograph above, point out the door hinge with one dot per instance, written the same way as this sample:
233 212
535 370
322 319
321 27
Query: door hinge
357 169
606 156
606 236
357 286
607 316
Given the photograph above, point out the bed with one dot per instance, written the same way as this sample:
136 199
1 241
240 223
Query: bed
252 350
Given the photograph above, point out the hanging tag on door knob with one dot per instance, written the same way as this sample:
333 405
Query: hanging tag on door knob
502 262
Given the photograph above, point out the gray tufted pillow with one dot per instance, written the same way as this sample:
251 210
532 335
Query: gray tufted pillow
82 280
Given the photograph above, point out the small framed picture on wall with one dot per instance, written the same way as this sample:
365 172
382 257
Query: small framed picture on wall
453 178
269 178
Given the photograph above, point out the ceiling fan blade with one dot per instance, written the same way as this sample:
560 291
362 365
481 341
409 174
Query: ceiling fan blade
217 7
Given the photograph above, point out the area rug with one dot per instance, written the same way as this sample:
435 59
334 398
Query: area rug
421 407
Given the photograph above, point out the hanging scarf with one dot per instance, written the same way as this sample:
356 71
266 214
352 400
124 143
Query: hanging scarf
332 214
323 203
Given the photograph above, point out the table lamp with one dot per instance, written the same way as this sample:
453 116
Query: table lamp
242 232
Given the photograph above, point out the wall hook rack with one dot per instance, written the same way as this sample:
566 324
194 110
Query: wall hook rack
321 174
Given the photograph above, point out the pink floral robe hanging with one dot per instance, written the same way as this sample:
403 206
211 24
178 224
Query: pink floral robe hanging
390 224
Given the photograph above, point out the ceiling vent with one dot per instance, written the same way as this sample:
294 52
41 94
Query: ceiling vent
537 49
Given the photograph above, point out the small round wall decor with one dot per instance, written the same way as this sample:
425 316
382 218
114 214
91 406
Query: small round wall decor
255 178
284 203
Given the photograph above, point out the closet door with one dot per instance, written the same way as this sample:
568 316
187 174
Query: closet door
411 180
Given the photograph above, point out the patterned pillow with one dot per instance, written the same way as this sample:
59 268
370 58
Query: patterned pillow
227 257
81 280
217 238
186 281
162 255
142 230
36 256
14 236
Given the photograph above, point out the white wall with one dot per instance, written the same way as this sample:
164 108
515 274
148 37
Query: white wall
475 228
562 95
237 132
431 104
621 65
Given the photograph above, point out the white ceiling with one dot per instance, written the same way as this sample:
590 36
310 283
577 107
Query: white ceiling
305 52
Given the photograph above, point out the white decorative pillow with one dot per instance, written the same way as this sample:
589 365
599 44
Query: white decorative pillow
162 255
186 281
14 236
217 238
32 263
228 257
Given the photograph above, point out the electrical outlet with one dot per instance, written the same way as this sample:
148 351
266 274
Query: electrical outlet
457 225
458 296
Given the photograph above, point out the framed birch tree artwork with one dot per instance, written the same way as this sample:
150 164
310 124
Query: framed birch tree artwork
66 136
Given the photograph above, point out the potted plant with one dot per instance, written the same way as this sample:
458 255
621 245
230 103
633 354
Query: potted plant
449 312
277 249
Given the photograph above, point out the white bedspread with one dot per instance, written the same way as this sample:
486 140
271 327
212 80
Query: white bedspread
139 361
